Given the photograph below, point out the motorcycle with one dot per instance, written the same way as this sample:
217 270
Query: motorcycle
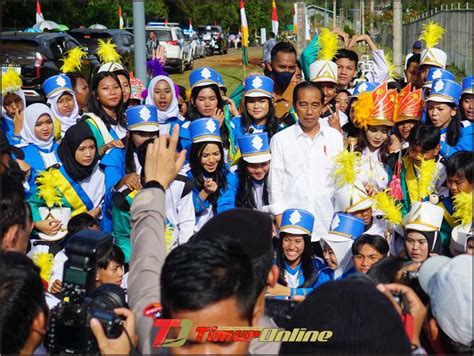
209 44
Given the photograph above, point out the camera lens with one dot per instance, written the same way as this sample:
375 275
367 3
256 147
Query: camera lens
109 297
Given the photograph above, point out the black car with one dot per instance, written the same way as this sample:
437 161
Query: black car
122 38
219 38
38 56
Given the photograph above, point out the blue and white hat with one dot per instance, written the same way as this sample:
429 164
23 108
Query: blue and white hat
205 130
142 118
362 87
258 85
220 81
297 222
254 148
57 84
345 225
445 91
437 73
468 85
203 76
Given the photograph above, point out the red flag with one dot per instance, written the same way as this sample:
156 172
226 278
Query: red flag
190 24
274 18
215 23
120 17
39 14
166 22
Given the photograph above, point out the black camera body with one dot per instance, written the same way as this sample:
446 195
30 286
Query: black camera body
69 328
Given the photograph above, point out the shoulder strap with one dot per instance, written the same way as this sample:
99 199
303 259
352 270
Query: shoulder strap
188 184
120 199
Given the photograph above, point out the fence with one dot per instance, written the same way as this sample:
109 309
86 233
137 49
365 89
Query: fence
458 38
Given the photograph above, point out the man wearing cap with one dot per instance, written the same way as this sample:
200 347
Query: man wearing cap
302 161
415 50
448 283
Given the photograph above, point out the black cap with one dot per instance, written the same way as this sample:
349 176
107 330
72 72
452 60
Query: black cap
6 147
251 228
362 321
417 45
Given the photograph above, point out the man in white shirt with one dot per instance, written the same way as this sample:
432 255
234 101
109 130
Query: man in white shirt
302 162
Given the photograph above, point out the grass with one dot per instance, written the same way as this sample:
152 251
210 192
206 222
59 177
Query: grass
229 66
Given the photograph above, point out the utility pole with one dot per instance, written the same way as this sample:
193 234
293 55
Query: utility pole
301 35
334 6
397 36
139 40
362 14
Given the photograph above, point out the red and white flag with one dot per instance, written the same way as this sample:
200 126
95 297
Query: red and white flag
190 24
274 18
121 23
39 14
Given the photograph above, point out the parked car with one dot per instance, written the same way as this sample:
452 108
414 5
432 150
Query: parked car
179 54
122 38
197 46
214 37
37 57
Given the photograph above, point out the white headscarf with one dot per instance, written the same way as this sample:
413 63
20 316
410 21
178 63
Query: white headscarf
341 246
32 114
173 110
20 93
66 121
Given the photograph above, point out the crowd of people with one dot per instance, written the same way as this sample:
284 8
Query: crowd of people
310 184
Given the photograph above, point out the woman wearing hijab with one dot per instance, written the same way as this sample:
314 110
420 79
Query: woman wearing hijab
162 94
38 137
422 231
13 106
79 182
337 245
62 99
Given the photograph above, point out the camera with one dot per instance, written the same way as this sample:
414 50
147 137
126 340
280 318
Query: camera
69 329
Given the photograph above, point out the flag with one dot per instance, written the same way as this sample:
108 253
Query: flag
166 22
295 18
245 33
274 18
190 24
215 22
120 18
39 14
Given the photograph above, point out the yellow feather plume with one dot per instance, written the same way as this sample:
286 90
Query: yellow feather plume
363 109
328 44
47 189
347 167
463 208
11 81
387 205
391 66
72 61
44 261
106 51
427 177
432 33
169 236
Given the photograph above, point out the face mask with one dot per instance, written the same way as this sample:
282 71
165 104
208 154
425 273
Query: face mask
282 79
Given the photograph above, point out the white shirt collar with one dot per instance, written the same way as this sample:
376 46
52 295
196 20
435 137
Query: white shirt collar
299 131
